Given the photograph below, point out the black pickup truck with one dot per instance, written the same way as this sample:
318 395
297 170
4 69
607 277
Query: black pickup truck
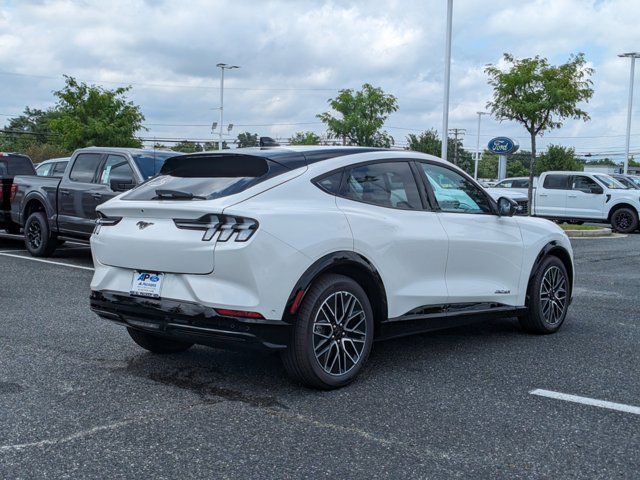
54 209
11 164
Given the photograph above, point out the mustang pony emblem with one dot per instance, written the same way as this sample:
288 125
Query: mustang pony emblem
142 225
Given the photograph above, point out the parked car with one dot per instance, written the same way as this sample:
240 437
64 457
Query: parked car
11 164
54 209
585 196
52 168
626 180
315 252
516 184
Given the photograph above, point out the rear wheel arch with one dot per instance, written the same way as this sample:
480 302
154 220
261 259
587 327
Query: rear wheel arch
33 204
349 264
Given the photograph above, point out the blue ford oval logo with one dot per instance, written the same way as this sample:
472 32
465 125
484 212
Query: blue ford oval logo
502 145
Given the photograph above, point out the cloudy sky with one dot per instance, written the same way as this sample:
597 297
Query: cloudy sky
296 54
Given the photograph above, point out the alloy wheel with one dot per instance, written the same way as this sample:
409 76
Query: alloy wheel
553 295
34 235
339 333
624 221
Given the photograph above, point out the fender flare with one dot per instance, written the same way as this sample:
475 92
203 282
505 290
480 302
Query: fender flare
549 249
34 196
331 261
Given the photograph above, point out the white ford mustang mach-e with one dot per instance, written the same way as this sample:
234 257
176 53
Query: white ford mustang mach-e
317 252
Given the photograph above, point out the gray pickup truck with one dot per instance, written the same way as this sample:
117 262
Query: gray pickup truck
54 209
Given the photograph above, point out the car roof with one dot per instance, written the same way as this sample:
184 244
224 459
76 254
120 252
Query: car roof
293 156
54 160
130 151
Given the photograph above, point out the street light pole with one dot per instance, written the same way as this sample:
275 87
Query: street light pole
633 56
222 67
447 75
475 168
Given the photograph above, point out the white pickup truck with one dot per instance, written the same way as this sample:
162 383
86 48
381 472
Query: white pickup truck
584 196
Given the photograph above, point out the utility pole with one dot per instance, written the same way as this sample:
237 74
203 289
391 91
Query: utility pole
447 76
475 168
222 67
632 56
456 132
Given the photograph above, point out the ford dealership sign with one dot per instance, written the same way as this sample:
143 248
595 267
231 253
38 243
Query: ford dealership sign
503 145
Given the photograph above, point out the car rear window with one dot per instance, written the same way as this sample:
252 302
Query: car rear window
556 182
12 165
206 177
150 163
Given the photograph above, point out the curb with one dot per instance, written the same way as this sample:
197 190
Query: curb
600 232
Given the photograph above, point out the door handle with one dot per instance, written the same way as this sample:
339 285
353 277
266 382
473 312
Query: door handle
64 192
97 196
544 195
572 196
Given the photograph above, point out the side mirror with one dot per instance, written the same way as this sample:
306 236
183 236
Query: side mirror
507 207
118 186
596 190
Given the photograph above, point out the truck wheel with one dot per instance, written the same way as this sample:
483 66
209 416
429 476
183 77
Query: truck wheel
624 220
156 343
38 238
332 334
548 298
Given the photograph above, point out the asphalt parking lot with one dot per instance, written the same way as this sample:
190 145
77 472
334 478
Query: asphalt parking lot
78 399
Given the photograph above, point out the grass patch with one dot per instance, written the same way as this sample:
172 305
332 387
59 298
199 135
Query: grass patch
568 226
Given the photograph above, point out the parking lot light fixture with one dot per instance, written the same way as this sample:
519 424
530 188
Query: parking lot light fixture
222 67
632 56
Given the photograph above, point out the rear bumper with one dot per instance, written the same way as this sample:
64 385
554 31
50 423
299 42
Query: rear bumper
190 322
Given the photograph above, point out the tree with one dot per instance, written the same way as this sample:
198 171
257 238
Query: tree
187 146
247 139
29 133
517 164
539 95
429 142
559 158
304 138
90 115
360 117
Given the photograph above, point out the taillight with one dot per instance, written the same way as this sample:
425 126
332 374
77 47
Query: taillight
104 221
225 226
14 190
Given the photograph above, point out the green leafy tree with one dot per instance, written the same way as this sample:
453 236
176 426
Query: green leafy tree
88 115
517 164
304 138
605 162
360 116
559 158
538 95
187 146
247 139
429 142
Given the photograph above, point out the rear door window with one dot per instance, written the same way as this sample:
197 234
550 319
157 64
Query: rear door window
556 182
84 168
58 169
389 184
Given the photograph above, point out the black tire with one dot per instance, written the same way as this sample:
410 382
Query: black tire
38 238
157 344
624 220
339 338
547 298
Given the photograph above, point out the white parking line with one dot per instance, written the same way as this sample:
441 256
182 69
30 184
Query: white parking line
620 407
45 261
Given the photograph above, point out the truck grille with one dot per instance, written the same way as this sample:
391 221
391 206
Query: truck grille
523 207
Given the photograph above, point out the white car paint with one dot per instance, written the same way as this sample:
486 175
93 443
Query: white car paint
423 257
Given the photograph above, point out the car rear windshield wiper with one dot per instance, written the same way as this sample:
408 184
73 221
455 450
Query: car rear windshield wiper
176 195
